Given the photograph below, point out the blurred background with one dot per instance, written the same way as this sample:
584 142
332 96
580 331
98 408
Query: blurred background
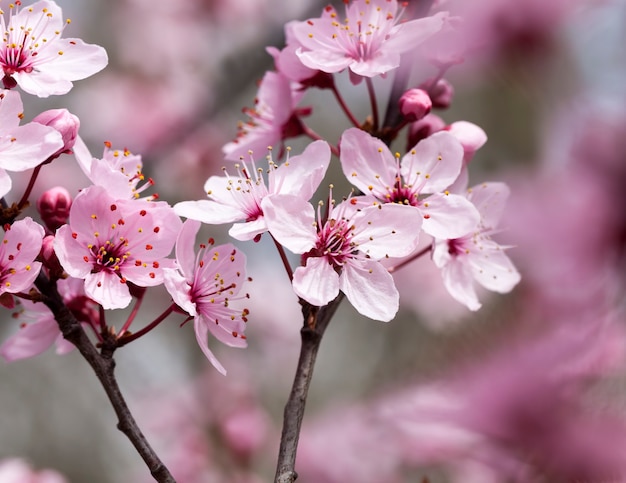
517 391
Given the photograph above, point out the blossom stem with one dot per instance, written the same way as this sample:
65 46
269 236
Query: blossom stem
132 316
103 365
283 257
412 258
102 320
344 106
372 95
122 341
316 320
29 188
316 137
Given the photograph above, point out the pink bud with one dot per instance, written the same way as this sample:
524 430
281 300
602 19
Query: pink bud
469 135
49 257
423 128
415 104
441 94
63 121
54 207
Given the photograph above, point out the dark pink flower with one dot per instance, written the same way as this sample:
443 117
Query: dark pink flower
109 242
18 250
204 286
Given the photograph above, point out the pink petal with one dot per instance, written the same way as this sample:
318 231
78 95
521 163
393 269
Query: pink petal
290 220
490 200
185 253
387 230
5 183
302 174
367 162
448 216
30 340
208 211
493 269
178 287
434 163
249 230
317 282
27 146
370 289
202 336
108 290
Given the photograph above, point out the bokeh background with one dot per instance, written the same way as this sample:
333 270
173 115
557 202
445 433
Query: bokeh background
514 392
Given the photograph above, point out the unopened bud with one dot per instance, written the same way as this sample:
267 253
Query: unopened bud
49 257
54 207
415 104
63 121
469 135
423 128
441 94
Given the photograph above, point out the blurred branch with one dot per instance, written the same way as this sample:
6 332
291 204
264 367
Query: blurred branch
103 365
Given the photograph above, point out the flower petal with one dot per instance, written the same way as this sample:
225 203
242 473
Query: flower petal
317 282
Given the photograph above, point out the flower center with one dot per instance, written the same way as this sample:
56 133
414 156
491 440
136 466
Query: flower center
334 242
109 256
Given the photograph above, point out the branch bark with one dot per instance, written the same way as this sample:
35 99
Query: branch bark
315 322
103 365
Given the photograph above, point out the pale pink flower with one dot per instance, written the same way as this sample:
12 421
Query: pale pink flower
22 147
15 470
341 250
273 118
239 198
34 56
475 256
428 169
109 242
205 285
18 250
369 41
119 170
39 330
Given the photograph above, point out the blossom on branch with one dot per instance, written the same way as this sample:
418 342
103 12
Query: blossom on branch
341 250
20 246
109 242
204 286
22 147
475 256
273 119
369 41
34 56
428 169
239 198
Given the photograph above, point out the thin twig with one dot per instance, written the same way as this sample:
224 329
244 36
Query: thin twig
103 365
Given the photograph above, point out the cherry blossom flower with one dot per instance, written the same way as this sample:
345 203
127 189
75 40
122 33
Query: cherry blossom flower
475 256
109 242
273 119
22 147
20 246
119 170
34 56
428 169
342 250
369 41
239 198
204 286
39 330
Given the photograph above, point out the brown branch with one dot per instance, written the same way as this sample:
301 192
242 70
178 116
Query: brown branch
315 322
103 365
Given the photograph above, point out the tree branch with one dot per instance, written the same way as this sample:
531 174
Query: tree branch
103 365
316 320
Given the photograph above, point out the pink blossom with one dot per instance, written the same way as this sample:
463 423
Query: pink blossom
35 57
369 41
15 470
119 170
205 285
239 198
273 119
22 147
38 329
20 246
63 121
341 250
474 256
428 169
109 242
